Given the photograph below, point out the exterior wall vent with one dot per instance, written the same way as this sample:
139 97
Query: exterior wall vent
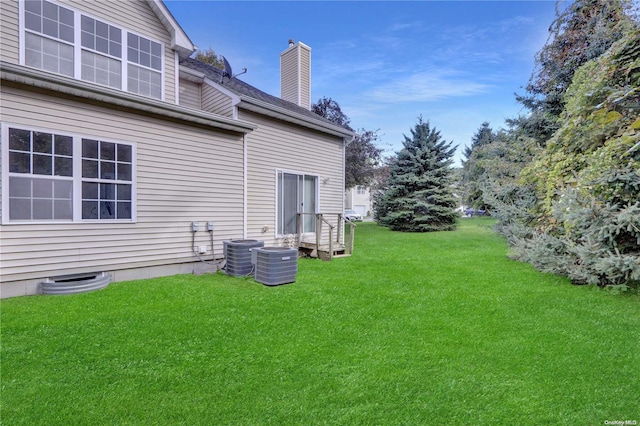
275 265
78 283
238 256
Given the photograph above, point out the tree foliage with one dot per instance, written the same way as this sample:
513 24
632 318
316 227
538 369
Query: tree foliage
583 31
418 195
493 164
209 56
330 109
587 179
362 156
485 135
564 179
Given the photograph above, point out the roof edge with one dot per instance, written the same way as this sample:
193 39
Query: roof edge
77 88
255 105
180 41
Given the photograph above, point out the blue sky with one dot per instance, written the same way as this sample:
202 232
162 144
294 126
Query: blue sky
456 63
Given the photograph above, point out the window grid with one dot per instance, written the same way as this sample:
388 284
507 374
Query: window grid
51 40
101 52
41 177
107 175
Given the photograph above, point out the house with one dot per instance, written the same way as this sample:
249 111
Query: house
120 155
358 199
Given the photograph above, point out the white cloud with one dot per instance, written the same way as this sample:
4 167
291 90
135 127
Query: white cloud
426 86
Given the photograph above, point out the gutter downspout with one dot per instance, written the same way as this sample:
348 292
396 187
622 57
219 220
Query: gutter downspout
244 186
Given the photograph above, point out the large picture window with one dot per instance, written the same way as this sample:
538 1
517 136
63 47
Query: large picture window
109 55
297 193
58 177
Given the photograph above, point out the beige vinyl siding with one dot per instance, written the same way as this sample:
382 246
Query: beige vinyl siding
9 45
190 94
305 80
136 16
295 75
276 145
184 174
289 80
216 102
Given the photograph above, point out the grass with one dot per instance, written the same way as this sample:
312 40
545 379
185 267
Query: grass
413 329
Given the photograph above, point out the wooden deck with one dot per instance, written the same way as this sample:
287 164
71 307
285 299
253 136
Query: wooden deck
329 239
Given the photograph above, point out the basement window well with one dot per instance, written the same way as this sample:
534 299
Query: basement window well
77 283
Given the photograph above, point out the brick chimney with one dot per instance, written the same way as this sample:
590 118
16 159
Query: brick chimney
295 74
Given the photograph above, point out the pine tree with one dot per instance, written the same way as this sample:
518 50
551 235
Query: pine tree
418 196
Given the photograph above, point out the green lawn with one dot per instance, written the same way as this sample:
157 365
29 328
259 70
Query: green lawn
413 329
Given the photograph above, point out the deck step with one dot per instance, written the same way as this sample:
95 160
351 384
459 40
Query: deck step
311 250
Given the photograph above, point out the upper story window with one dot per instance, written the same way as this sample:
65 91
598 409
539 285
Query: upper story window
49 37
361 190
145 65
94 50
101 52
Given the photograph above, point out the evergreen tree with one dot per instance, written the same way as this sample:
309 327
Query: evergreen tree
418 196
581 32
483 136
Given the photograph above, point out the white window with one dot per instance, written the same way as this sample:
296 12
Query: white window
297 193
60 177
49 37
40 176
361 190
53 42
145 64
106 180
101 52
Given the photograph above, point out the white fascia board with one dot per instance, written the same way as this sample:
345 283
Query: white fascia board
270 110
81 89
191 75
180 41
235 99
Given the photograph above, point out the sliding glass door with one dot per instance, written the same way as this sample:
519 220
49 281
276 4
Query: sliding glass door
297 193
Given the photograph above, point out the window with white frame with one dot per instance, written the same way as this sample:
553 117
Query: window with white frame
58 177
53 42
49 37
40 176
361 190
145 64
297 193
101 52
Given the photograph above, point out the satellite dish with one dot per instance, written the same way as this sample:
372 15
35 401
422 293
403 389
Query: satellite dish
227 72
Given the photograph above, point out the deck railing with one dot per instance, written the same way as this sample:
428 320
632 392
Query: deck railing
325 231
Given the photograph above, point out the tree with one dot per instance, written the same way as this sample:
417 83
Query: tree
587 179
494 164
419 197
483 136
330 109
581 32
210 57
362 156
